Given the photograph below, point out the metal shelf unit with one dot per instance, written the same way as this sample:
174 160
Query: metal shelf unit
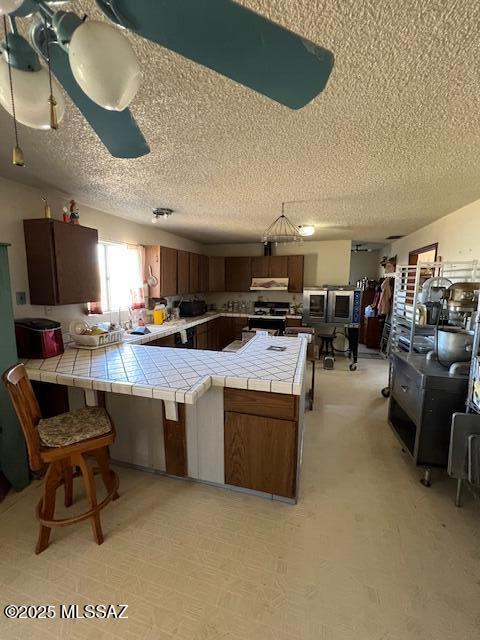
472 405
406 334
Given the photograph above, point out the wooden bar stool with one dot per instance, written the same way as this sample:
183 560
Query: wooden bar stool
62 444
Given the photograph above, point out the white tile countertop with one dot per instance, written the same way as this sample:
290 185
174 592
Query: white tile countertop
174 326
178 375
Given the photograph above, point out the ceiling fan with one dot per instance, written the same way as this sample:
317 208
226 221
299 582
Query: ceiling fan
96 65
358 248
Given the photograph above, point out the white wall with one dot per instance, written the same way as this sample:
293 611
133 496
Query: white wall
458 237
364 263
326 261
18 202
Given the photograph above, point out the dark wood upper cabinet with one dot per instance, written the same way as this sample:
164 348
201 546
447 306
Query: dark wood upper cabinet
260 267
62 261
194 273
295 273
216 273
183 274
203 274
278 267
163 262
238 273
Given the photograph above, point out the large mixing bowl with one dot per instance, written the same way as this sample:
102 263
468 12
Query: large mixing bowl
454 345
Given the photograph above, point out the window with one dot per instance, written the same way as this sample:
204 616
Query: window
121 268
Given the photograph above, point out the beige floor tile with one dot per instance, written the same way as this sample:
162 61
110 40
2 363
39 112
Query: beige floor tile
367 554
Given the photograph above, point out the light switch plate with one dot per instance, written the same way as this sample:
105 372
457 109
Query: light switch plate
21 297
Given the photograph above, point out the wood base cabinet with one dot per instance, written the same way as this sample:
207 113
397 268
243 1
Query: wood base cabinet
260 453
261 442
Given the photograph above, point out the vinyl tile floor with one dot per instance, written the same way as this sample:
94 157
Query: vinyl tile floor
367 554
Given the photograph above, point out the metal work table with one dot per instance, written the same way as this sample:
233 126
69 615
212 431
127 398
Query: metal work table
423 398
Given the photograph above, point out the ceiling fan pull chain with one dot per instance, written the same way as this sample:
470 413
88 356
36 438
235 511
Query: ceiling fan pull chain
51 98
17 159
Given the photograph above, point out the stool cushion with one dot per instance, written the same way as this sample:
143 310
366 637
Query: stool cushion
74 426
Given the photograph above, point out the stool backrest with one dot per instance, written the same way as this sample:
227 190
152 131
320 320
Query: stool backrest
27 409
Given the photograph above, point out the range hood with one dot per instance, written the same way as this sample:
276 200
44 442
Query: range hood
269 284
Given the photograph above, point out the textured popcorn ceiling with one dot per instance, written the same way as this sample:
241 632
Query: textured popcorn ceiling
392 144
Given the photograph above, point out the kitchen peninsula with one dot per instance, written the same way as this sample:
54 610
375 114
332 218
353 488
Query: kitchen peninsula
232 419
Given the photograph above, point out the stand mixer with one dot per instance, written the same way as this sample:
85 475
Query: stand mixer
453 340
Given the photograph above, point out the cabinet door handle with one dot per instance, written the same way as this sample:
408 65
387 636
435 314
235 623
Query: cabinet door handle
404 388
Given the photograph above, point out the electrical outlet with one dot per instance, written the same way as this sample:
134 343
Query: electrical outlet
48 311
21 297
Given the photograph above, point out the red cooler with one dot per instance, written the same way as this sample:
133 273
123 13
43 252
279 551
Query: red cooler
38 338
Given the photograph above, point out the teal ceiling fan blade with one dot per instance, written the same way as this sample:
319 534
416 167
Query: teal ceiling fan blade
232 40
116 129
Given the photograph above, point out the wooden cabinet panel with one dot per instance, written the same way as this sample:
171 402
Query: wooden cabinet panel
168 271
183 272
238 325
214 334
203 274
260 267
261 403
295 274
216 273
278 267
175 444
152 262
261 453
163 262
238 273
62 262
167 341
194 273
226 334
201 340
293 322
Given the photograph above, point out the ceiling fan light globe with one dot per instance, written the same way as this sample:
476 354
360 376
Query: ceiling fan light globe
9 6
31 92
104 65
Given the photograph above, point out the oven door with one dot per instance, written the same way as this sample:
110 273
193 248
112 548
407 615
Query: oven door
340 306
314 307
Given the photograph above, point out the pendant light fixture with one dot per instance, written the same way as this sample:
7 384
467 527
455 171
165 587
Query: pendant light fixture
282 230
18 158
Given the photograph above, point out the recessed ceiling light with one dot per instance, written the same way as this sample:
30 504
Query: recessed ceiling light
160 212
306 229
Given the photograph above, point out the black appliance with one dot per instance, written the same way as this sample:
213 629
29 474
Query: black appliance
275 313
271 308
191 308
190 343
267 323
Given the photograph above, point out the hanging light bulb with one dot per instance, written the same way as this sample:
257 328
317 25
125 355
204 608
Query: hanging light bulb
9 6
32 96
104 64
